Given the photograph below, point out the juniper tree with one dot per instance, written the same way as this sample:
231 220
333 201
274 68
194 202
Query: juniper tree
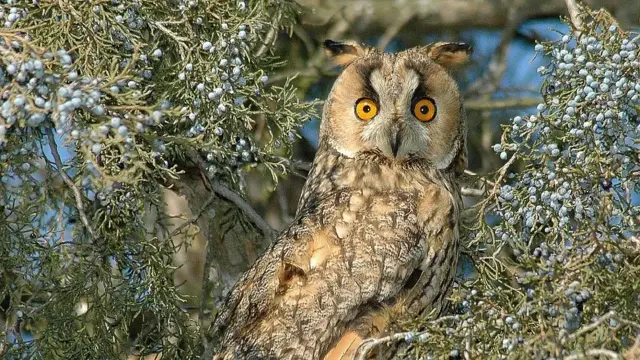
107 104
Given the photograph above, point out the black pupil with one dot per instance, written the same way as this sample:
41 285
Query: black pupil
424 109
366 108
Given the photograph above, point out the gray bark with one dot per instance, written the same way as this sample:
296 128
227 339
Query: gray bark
375 16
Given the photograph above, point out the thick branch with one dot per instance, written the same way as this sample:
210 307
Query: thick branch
439 14
574 14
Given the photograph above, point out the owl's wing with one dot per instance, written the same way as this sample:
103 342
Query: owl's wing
253 293
346 252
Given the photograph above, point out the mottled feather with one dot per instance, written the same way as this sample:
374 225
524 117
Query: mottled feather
376 230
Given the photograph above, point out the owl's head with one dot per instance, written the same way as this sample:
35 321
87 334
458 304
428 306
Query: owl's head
404 106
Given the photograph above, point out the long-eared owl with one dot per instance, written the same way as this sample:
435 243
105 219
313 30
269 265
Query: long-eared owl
376 229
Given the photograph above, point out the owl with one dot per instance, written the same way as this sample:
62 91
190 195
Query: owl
376 230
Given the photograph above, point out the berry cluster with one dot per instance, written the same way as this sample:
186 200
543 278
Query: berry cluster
555 250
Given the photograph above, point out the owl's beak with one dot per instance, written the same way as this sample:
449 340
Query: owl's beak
395 141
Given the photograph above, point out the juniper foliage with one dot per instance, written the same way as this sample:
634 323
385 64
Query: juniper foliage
102 101
554 245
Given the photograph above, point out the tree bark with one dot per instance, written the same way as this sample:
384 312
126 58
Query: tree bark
375 16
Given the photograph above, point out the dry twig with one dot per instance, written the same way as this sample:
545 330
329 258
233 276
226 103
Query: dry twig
594 352
368 345
182 47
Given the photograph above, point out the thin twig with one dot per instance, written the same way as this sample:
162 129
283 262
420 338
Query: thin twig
76 192
178 39
194 219
271 37
484 179
236 199
369 344
594 352
598 322
472 192
502 173
467 346
294 164
296 167
593 325
365 347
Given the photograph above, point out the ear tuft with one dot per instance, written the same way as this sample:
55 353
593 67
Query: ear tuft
342 53
450 55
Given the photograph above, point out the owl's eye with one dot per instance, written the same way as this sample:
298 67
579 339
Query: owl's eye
366 109
424 109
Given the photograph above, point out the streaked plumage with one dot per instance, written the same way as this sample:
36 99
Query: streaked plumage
377 225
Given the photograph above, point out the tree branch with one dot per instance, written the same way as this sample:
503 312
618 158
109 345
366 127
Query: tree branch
485 104
574 15
484 179
76 192
206 288
270 38
393 30
472 192
192 221
490 82
236 199
365 347
594 352
445 14
248 211
182 47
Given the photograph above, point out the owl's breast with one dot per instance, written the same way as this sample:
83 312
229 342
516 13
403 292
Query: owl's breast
388 228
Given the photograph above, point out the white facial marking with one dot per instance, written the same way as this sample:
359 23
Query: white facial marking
394 112
345 152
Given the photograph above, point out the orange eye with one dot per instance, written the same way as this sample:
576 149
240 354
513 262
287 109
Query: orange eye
366 109
424 109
